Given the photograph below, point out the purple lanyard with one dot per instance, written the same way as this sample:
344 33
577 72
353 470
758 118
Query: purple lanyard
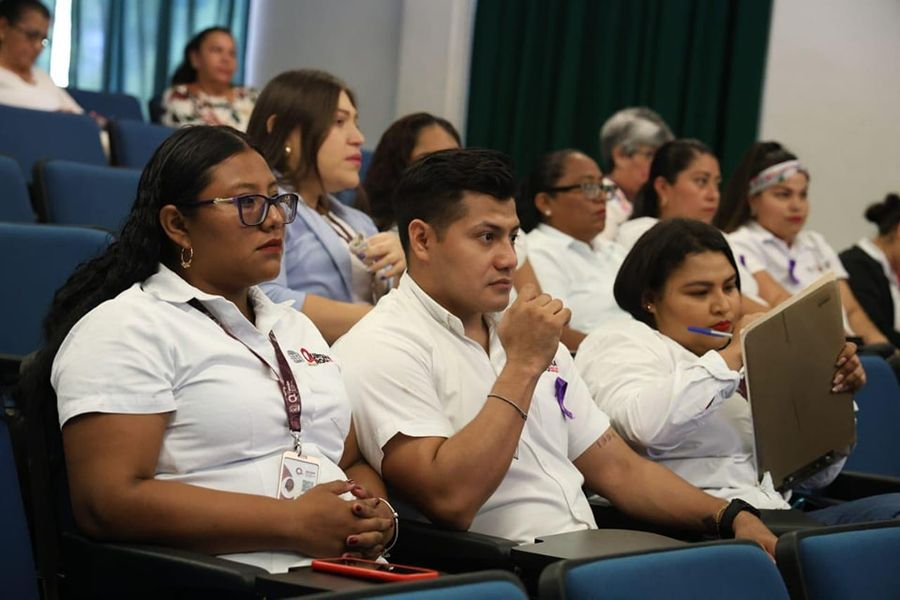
286 382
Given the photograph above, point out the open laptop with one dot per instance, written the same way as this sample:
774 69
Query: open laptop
800 426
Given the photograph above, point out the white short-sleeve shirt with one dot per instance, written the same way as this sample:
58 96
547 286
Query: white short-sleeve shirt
147 351
409 368
43 94
580 274
679 409
794 267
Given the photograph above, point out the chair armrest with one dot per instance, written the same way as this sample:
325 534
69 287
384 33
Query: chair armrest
95 569
610 517
850 485
427 545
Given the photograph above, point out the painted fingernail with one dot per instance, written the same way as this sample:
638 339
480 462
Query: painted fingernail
352 540
377 501
842 361
357 508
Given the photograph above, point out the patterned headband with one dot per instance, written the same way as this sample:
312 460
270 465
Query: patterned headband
776 174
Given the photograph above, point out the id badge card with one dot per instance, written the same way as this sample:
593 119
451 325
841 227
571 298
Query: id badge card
298 474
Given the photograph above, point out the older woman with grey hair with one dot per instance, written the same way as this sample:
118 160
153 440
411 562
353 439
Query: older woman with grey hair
628 141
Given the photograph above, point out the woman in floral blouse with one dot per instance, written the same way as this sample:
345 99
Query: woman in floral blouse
201 91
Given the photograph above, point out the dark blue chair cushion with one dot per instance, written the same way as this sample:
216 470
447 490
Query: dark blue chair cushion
77 194
734 571
33 135
108 104
18 578
878 421
15 205
38 259
133 143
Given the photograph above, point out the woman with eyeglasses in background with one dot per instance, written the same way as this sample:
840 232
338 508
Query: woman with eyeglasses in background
202 91
187 399
24 27
562 204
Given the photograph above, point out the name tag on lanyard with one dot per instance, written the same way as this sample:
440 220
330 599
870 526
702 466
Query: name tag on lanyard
298 474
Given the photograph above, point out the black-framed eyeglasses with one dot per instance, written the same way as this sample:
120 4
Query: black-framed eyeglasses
591 190
254 208
34 36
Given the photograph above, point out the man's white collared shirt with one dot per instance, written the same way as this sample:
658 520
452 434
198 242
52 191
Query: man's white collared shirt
580 274
410 369
147 351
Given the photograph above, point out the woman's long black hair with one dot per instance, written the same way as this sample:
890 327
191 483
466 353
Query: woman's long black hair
178 171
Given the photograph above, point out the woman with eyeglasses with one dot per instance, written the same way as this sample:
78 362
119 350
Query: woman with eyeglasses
336 263
24 27
562 204
195 412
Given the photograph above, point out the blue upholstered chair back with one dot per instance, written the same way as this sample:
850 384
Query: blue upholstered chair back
132 143
37 260
840 563
108 104
481 585
15 205
90 195
33 135
733 570
18 578
878 421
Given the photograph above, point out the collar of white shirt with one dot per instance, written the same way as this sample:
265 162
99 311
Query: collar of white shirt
766 236
409 288
597 246
169 287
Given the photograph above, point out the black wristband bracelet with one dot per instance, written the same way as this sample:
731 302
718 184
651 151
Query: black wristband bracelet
725 526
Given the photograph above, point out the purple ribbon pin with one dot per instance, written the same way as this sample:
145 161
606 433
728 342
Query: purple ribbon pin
561 385
792 264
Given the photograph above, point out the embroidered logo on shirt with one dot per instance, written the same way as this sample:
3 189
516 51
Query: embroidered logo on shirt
553 368
310 358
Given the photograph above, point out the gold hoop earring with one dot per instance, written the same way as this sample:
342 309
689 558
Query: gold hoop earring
186 262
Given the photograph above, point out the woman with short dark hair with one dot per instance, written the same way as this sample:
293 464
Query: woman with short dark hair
675 394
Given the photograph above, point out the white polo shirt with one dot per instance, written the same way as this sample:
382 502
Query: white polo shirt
680 410
147 351
409 368
794 266
580 274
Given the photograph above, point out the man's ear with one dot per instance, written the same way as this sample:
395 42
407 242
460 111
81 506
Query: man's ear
422 239
175 226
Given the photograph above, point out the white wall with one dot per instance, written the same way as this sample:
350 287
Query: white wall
399 56
832 96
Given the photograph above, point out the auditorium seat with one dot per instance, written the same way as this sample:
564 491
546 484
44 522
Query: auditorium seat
18 578
108 104
33 135
483 585
878 421
38 259
736 570
132 143
69 193
15 205
842 563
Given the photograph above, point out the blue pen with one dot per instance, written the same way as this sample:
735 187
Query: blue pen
708 331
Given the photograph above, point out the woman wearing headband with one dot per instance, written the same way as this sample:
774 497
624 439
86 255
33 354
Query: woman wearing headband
764 210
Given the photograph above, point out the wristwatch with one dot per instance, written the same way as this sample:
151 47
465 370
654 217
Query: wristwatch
725 522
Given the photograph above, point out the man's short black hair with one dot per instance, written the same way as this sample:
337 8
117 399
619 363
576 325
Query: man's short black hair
431 188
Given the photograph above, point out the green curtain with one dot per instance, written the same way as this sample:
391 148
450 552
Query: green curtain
546 75
134 46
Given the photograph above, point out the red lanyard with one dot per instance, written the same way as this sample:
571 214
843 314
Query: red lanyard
286 382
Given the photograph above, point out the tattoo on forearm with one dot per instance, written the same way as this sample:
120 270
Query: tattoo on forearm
604 439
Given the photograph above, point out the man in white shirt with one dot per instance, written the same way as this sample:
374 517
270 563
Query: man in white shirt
478 418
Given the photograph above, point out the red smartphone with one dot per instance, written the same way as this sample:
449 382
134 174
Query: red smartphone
369 569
